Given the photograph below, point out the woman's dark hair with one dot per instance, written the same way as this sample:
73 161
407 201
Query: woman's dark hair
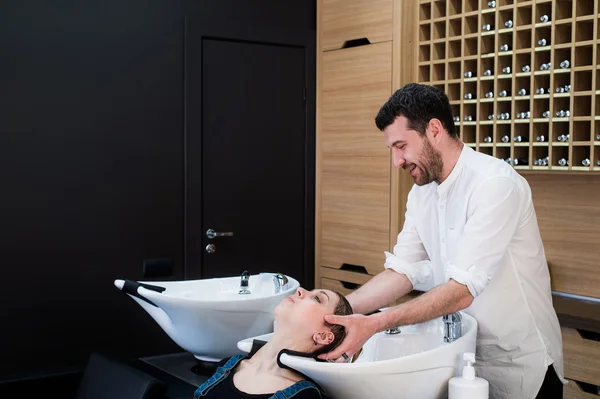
343 308
418 104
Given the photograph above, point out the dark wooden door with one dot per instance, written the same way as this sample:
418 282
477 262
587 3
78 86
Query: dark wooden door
253 152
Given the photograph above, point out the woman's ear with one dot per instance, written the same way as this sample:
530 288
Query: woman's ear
323 338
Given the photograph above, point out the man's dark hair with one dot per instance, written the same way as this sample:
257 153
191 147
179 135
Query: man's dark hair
418 104
343 308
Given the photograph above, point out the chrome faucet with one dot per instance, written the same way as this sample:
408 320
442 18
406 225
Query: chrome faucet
244 283
280 281
392 331
452 326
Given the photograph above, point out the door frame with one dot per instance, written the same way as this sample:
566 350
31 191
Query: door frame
196 29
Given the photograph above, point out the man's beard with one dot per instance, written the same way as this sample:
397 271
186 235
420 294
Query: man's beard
431 164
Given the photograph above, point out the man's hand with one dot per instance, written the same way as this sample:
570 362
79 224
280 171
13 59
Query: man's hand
359 329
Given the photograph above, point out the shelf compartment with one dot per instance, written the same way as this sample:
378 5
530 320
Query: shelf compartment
584 30
522 82
562 34
488 45
504 62
425 11
470 88
503 3
425 32
506 15
454 7
558 154
584 7
542 9
485 110
502 134
424 53
471 46
471 5
596 161
454 70
564 9
583 81
541 132
521 157
581 156
597 113
584 55
523 39
471 25
486 132
424 73
524 15
544 33
454 92
439 52
439 30
468 133
541 58
560 55
523 60
503 153
540 154
455 27
561 104
522 106
470 66
582 131
439 72
521 133
469 110
454 49
439 9
583 106
505 38
455 108
541 82
503 85
561 80
559 129
596 132
504 108
486 86
540 105
488 19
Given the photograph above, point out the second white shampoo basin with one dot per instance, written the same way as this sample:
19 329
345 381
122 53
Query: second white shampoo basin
415 363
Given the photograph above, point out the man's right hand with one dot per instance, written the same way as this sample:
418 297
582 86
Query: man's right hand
359 329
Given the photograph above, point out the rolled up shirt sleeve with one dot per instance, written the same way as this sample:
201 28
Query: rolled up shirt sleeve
410 257
493 219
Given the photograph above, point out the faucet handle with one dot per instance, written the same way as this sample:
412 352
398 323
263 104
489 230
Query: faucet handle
280 281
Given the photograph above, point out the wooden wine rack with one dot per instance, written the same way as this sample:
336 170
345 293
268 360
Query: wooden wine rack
452 41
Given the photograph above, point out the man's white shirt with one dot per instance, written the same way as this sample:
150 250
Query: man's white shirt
479 228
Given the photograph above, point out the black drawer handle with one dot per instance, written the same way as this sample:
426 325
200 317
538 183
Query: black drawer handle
363 41
354 268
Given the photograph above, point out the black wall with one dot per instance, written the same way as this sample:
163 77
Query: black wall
92 166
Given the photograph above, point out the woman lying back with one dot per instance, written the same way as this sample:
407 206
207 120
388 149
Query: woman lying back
300 327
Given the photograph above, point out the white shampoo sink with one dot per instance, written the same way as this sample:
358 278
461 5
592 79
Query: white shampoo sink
415 363
208 317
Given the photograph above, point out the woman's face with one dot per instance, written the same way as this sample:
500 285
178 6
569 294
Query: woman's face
303 313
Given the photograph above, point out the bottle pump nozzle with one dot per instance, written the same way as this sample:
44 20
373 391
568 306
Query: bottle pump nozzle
469 370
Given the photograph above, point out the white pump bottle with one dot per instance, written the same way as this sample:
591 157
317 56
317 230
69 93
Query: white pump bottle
468 386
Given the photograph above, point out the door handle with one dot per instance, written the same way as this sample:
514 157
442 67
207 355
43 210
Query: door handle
210 233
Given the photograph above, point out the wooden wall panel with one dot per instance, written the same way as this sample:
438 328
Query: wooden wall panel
568 211
344 20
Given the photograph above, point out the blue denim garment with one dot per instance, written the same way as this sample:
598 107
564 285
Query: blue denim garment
224 371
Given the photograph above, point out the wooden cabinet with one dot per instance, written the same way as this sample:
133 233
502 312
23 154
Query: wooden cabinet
359 196
344 20
355 162
581 357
